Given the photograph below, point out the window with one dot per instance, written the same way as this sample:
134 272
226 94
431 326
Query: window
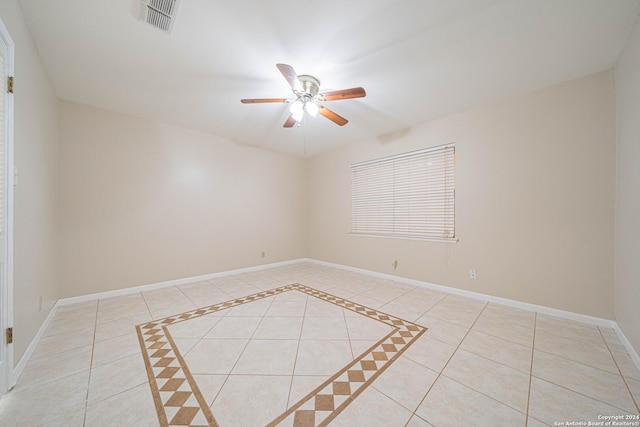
410 195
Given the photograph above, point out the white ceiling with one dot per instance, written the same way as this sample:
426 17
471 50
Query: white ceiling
417 59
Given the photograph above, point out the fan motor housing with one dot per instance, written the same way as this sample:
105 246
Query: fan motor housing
310 85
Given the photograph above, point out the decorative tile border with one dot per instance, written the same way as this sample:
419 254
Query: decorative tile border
179 402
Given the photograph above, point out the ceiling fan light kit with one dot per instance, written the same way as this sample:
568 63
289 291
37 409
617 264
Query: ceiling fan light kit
306 88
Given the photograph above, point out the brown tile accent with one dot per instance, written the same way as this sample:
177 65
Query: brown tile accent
178 398
317 408
356 376
368 365
341 388
324 402
379 355
304 419
184 416
173 384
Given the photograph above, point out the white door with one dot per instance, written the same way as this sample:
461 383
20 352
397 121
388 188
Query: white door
6 201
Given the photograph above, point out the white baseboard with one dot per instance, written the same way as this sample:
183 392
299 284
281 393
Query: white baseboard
17 370
623 339
183 281
505 301
597 321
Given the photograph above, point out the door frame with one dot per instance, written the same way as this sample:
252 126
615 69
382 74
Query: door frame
6 296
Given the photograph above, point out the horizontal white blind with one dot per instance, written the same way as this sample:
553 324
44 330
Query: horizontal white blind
409 195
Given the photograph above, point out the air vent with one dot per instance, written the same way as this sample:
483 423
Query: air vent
159 13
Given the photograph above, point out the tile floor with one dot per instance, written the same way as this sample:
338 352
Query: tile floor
341 348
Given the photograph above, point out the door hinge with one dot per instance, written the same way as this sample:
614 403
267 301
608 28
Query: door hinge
10 84
9 335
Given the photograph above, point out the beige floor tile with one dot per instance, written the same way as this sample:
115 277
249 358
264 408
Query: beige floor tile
69 325
496 326
267 357
452 404
162 311
214 356
121 326
508 353
442 330
368 301
318 328
634 386
114 313
495 380
613 342
386 294
406 382
510 315
360 346
416 421
322 357
55 367
279 328
585 352
87 308
185 344
70 419
550 403
400 311
116 377
532 422
626 366
287 309
372 409
430 352
596 383
416 302
27 407
48 346
234 327
458 317
302 385
210 386
365 328
115 348
204 294
197 327
250 400
457 302
133 407
292 296
569 329
255 308
319 308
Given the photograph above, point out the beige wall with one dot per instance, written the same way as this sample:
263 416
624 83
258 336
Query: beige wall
627 284
143 202
534 200
35 142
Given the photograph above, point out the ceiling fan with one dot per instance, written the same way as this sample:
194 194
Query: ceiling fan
306 89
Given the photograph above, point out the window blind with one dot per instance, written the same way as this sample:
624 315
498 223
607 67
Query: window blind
410 195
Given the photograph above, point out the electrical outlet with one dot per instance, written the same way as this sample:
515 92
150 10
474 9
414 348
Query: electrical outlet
473 275
394 264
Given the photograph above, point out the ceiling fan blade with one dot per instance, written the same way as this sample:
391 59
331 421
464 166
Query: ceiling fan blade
290 75
334 117
290 121
263 100
356 92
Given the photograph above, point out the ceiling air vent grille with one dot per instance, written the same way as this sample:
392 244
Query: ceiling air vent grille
159 13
